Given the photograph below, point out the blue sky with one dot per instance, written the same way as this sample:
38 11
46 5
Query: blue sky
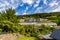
23 7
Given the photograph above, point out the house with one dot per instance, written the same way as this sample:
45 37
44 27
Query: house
54 35
30 20
46 37
51 24
38 22
21 20
41 20
35 20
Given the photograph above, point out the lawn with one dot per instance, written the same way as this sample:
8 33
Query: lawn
27 38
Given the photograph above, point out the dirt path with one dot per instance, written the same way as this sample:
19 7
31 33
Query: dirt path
9 36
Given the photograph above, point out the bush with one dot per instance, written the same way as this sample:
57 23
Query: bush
46 29
29 30
27 38
7 26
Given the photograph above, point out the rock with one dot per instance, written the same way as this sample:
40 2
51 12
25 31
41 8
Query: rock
41 37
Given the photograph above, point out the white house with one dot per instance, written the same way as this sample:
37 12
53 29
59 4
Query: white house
39 24
35 20
21 20
30 20
41 19
51 24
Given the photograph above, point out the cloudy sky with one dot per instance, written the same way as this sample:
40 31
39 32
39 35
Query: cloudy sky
23 7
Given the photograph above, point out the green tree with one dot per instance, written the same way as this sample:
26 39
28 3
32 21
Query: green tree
3 16
11 15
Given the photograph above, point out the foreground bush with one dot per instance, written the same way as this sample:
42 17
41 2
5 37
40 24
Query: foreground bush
33 31
7 26
28 38
46 29
29 30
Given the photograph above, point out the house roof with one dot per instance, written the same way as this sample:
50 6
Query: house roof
56 34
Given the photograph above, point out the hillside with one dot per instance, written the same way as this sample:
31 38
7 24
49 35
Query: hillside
53 16
41 15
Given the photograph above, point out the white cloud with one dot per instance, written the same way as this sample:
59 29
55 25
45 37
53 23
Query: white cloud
26 8
4 3
36 5
53 3
21 4
2 9
45 2
28 1
12 1
37 1
38 9
16 13
52 6
56 10
8 4
24 13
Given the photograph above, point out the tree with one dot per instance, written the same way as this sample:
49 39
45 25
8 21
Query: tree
11 15
3 16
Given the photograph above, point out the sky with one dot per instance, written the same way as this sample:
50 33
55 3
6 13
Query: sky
23 7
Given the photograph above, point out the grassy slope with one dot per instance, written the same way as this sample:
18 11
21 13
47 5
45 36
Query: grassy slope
27 38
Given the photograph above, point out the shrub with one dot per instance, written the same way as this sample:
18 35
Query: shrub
29 30
27 38
8 26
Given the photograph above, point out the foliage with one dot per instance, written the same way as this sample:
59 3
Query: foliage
7 26
53 16
9 21
33 31
29 30
46 29
9 15
41 15
28 38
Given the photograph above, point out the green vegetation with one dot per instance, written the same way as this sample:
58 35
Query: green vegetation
46 29
7 26
8 15
53 16
34 31
29 30
28 38
9 23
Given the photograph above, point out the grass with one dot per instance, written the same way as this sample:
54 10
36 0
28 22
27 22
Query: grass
27 38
